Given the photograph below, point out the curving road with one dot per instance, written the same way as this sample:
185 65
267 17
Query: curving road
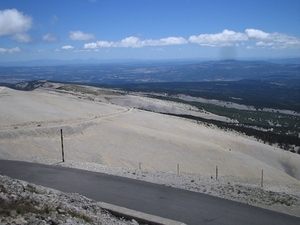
181 205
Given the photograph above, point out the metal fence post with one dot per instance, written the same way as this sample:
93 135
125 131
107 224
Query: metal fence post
62 145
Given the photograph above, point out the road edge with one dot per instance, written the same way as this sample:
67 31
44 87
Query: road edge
136 215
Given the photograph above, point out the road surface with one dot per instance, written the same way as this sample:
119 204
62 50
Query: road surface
181 205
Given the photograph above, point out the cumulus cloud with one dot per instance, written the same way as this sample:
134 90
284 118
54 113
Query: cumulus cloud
225 38
129 42
51 37
135 42
232 38
250 38
15 24
80 36
272 40
256 34
67 47
12 22
92 45
10 50
166 41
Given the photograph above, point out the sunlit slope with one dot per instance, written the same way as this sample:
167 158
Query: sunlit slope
30 126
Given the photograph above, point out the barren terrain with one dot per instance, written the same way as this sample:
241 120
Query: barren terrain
104 129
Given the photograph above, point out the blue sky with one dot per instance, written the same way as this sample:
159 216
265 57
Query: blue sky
148 29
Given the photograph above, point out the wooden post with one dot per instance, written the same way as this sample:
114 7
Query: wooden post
140 166
177 168
62 145
216 172
262 178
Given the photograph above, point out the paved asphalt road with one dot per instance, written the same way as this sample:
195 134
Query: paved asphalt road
185 206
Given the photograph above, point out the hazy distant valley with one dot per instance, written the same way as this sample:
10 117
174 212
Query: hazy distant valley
151 71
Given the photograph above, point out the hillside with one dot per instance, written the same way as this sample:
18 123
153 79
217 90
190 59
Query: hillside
98 131
103 128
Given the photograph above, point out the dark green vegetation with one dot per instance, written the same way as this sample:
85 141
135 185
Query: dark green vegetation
260 94
284 141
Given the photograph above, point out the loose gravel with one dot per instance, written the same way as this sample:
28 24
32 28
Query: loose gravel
273 195
24 203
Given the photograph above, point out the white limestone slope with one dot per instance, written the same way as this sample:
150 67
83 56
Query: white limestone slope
114 135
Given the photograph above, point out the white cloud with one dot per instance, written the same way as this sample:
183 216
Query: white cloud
12 22
15 24
232 38
135 42
165 41
129 42
51 37
251 37
226 38
256 34
67 47
272 40
92 45
80 36
173 41
262 43
10 50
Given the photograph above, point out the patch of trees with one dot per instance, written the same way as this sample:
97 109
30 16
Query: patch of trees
276 94
284 141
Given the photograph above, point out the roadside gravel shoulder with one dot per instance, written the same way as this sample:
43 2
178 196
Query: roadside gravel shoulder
273 195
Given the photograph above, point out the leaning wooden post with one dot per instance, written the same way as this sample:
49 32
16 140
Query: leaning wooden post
177 168
62 145
262 178
216 172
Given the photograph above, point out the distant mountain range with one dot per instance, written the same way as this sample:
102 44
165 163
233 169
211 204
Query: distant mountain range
53 62
152 71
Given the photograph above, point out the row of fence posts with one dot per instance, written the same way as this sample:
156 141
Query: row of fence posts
140 164
217 173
